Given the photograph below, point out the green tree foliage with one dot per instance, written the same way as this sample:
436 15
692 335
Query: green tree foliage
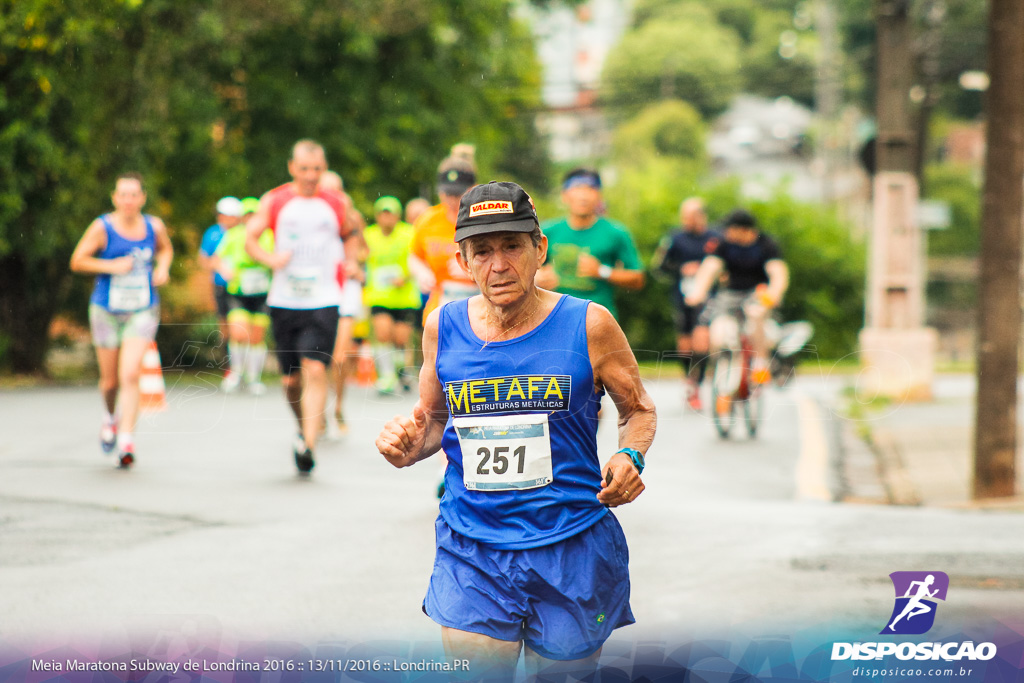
683 53
206 97
670 128
99 88
766 71
706 52
959 45
957 186
388 87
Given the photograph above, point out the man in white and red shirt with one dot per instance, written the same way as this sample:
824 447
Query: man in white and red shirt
307 222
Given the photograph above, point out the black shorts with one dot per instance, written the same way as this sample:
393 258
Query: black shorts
300 333
686 318
220 297
726 302
399 315
250 304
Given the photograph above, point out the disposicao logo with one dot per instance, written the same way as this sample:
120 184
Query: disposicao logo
916 593
913 614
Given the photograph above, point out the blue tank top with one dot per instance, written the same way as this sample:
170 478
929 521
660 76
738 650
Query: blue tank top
545 371
134 291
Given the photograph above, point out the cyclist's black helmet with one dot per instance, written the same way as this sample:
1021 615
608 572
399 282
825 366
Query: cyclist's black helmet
740 218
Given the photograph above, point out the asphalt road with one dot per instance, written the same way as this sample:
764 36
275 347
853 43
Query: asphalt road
213 527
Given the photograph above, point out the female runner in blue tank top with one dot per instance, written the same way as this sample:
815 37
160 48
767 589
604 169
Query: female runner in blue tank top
130 254
527 550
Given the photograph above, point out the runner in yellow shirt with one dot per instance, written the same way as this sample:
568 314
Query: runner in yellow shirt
391 292
248 316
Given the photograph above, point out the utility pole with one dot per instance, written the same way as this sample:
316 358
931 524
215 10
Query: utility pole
897 351
999 315
827 94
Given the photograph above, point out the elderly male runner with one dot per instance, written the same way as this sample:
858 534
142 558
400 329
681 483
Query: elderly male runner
527 550
304 293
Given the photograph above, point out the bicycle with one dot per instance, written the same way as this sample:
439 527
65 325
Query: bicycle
731 381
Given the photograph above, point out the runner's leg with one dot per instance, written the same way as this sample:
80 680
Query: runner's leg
490 659
313 399
384 351
701 345
107 360
541 669
402 335
129 370
257 354
292 385
238 347
341 361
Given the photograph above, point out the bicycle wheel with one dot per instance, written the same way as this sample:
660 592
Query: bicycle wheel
753 410
722 403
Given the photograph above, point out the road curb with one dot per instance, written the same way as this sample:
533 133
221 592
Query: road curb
860 471
894 475
815 475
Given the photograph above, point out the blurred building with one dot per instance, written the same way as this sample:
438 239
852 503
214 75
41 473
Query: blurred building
572 44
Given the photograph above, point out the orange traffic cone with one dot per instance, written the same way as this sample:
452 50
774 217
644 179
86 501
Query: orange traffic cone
151 382
366 369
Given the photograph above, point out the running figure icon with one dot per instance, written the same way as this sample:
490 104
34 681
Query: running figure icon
917 595
915 606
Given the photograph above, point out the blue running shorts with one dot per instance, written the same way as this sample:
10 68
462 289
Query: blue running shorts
563 600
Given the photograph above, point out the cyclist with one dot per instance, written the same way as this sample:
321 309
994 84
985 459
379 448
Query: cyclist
757 279
679 256
248 316
130 254
391 292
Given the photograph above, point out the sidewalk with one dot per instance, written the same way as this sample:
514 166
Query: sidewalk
913 453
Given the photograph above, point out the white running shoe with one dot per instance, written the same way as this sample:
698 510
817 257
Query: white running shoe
231 383
108 436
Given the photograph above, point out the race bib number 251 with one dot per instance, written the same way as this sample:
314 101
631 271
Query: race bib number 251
505 452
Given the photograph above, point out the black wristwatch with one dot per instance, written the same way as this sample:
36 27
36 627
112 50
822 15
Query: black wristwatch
636 456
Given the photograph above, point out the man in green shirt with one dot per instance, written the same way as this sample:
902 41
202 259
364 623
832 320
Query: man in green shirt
588 255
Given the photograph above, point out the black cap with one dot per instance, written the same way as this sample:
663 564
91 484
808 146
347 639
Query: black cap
455 181
741 218
495 207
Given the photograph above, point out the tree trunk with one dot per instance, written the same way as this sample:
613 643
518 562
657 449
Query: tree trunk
29 298
999 313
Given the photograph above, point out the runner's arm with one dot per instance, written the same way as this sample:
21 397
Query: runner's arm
355 246
421 272
664 266
627 279
164 253
356 249
616 370
406 440
83 259
620 276
253 229
706 275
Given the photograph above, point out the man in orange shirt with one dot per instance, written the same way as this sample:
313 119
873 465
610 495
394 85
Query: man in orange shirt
432 258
